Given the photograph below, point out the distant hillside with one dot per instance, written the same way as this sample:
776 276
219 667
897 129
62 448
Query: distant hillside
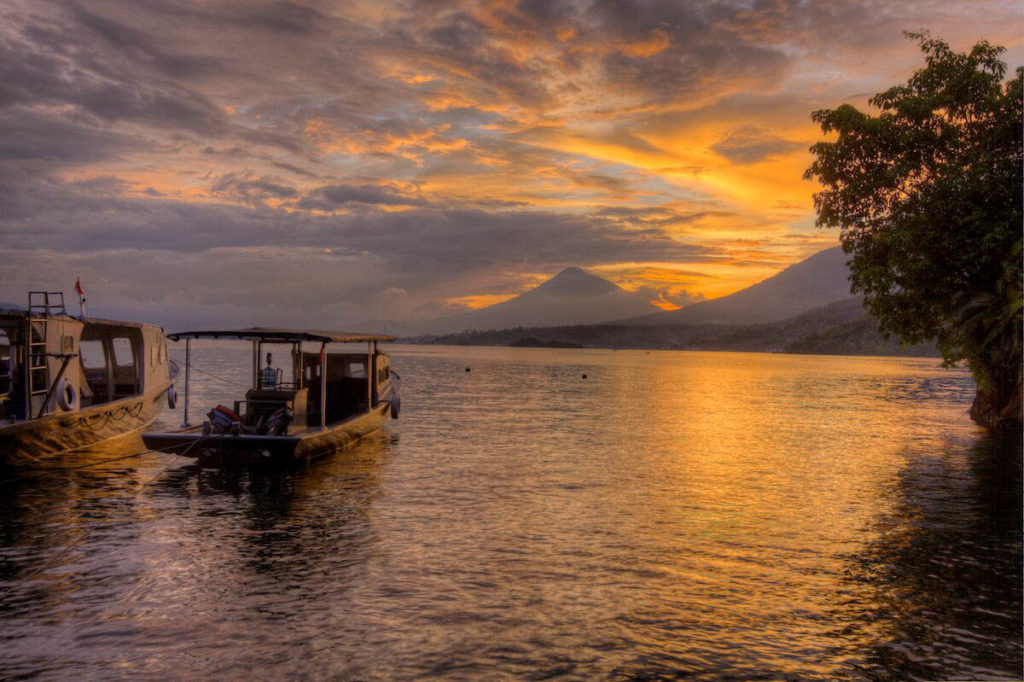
839 328
821 279
570 297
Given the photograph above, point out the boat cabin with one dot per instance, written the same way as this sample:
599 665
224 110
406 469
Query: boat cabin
53 363
313 388
68 383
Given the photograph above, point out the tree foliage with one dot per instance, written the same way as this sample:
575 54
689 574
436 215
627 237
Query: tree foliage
928 197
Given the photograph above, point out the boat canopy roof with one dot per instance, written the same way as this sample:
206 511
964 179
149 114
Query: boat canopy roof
277 335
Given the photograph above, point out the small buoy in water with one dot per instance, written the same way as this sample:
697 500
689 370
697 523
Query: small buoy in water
584 376
467 369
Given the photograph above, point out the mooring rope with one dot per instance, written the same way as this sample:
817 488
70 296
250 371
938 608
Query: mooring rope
220 378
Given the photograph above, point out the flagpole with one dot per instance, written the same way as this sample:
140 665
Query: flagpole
81 297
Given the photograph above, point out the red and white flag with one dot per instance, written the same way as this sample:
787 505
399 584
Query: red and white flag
81 296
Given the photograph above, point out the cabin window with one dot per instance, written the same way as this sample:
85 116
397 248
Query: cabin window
92 354
127 370
123 352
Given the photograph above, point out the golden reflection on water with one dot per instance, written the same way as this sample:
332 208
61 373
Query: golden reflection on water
710 515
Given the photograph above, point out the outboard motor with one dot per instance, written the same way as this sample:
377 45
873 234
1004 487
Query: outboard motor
223 420
277 423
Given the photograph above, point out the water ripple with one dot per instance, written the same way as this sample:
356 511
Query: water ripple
695 516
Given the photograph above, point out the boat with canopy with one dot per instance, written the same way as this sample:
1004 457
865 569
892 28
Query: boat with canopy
325 401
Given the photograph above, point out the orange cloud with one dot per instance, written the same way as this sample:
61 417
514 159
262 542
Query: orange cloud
657 42
479 300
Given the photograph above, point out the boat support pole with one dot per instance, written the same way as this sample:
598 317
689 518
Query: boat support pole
323 385
188 370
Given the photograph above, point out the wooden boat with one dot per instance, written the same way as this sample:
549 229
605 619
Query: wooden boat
68 383
328 401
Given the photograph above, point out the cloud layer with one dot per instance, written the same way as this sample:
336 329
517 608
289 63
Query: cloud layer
225 159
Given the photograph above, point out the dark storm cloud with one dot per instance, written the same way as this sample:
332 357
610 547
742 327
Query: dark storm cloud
52 63
460 43
285 141
339 265
29 136
596 181
252 190
141 47
827 26
275 17
458 240
656 216
751 144
695 51
278 17
423 240
101 186
295 169
547 12
333 197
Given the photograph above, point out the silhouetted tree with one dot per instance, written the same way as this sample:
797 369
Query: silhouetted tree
928 197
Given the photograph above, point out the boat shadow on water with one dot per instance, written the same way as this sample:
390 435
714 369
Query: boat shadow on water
105 498
223 552
305 527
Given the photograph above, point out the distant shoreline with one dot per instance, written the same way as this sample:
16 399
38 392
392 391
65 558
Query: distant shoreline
914 352
841 328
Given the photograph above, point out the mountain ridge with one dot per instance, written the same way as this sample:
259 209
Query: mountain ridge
837 328
812 282
572 296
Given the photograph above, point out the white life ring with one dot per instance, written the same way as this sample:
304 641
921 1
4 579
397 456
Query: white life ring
172 396
67 396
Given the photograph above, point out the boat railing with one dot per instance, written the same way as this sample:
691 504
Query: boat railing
46 303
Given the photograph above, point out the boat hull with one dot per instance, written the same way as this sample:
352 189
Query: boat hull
34 442
247 450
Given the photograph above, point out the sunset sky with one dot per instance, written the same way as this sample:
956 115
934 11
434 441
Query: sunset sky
331 163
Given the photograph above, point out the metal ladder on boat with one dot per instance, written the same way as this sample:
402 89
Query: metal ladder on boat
41 306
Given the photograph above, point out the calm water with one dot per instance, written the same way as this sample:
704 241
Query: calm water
673 515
